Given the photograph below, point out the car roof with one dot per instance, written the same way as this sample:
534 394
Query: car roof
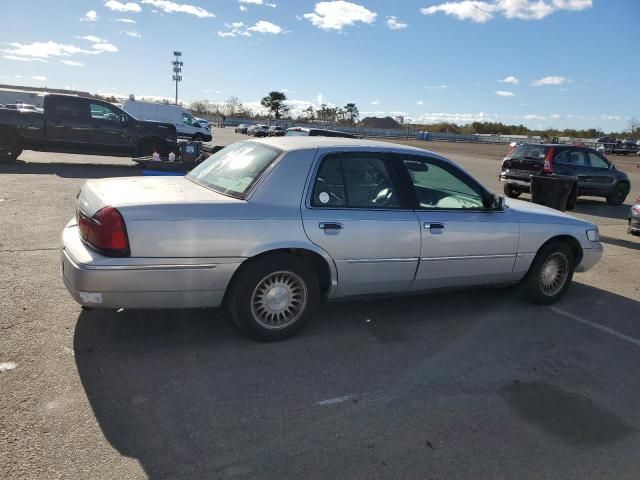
293 143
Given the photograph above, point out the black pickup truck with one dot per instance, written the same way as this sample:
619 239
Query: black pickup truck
73 124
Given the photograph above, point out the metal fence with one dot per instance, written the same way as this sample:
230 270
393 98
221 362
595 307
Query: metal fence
411 133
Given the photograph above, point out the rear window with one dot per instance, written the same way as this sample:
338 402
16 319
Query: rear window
534 152
297 133
235 169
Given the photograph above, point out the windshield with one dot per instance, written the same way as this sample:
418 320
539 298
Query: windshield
530 151
233 170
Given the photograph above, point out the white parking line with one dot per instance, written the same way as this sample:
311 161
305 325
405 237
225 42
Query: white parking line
597 326
331 401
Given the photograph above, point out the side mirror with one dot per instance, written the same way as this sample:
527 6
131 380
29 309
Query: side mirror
497 202
123 119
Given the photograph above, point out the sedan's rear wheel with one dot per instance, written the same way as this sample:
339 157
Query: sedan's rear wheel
618 195
274 297
511 192
550 274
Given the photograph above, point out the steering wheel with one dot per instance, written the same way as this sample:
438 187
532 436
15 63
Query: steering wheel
381 194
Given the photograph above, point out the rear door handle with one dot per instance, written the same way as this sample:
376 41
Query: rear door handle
434 226
330 226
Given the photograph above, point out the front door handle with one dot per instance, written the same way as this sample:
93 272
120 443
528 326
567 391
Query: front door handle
434 226
330 226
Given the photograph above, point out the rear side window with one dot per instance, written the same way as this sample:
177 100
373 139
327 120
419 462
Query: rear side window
533 152
568 157
70 108
297 133
354 181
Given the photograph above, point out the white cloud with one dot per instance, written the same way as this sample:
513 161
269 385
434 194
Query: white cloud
482 11
93 39
459 118
133 34
41 51
504 93
510 79
125 20
419 102
376 102
394 24
90 16
550 81
105 47
262 26
243 8
611 117
532 116
122 6
172 7
237 29
436 87
39 78
335 15
72 63
257 2
476 11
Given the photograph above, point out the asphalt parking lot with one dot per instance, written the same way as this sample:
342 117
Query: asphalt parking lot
461 385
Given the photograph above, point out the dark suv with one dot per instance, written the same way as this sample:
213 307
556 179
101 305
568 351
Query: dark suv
596 175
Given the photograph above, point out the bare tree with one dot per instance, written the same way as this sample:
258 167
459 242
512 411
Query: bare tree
634 127
231 106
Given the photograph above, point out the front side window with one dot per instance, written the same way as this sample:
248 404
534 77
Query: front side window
438 187
104 112
188 119
354 181
235 169
597 161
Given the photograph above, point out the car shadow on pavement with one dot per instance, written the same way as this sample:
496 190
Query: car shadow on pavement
190 397
600 208
70 170
619 242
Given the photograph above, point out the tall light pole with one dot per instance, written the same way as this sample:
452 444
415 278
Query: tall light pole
177 69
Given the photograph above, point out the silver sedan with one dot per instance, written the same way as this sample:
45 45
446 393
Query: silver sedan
272 227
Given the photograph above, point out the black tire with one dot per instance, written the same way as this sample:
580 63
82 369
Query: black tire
511 192
538 286
257 284
572 200
619 194
10 148
150 145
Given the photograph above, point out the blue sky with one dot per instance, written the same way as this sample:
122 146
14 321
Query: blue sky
560 63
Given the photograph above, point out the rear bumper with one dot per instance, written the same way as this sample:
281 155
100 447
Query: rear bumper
138 283
521 183
590 256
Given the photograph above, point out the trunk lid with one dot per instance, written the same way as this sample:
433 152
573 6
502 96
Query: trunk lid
143 191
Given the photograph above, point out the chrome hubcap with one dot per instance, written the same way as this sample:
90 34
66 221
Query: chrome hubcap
554 273
279 300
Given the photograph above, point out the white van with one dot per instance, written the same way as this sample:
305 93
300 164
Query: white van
186 124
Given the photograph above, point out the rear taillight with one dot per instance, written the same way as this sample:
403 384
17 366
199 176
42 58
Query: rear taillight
548 161
105 232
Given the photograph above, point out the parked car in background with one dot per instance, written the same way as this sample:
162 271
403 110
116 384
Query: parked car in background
242 128
596 175
73 124
204 123
634 218
316 132
276 225
185 123
276 131
23 106
258 130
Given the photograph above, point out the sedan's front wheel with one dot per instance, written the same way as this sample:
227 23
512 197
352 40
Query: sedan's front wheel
274 297
550 274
